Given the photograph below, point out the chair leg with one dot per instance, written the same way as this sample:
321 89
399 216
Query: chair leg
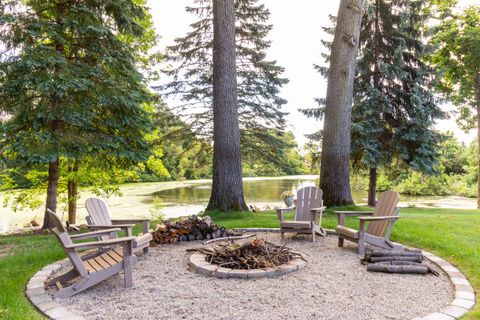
340 241
313 235
127 265
64 278
361 244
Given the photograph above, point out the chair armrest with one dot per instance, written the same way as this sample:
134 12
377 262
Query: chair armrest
94 234
354 213
129 221
281 211
341 215
145 222
378 218
126 227
99 244
314 212
99 227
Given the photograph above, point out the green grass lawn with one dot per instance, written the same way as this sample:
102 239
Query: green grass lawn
450 233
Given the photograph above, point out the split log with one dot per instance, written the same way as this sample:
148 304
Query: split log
191 229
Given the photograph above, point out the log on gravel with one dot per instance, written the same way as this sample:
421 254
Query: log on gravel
382 267
383 253
396 258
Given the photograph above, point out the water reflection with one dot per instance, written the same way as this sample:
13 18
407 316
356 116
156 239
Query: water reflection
256 191
268 191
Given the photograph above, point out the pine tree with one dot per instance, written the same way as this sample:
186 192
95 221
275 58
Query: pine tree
258 79
227 187
335 163
69 85
394 108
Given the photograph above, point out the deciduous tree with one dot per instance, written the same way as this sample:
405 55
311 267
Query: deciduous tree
457 55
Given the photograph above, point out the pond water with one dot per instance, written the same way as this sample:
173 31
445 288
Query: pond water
174 199
266 192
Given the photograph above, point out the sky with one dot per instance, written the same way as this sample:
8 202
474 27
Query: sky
295 37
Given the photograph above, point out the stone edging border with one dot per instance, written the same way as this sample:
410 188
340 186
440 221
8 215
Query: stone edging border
463 301
39 297
198 265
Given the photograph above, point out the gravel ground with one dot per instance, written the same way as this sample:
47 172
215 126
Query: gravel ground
333 285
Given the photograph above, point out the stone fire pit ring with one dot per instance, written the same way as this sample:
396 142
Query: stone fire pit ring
198 264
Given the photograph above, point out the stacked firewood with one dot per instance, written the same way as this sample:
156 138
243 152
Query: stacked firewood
191 229
255 254
397 261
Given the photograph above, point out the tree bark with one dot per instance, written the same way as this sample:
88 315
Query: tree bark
335 164
53 174
227 188
372 187
477 82
72 190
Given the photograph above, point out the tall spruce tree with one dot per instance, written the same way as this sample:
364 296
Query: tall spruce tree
258 79
394 108
69 85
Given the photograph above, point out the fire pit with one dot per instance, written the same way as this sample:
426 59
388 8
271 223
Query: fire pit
251 260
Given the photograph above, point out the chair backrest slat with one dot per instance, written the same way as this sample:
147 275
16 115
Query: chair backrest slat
98 212
385 207
64 238
307 198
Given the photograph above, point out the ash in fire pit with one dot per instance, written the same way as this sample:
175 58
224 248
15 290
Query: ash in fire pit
254 259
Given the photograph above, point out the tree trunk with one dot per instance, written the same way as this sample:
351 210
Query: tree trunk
53 174
372 187
227 188
72 196
335 164
477 82
54 167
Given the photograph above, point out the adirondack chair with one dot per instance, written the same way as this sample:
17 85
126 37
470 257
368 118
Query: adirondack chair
91 270
308 213
380 224
98 219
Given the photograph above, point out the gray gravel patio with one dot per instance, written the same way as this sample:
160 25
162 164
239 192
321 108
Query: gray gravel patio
333 285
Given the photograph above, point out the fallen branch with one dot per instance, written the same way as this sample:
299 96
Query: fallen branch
255 254
230 238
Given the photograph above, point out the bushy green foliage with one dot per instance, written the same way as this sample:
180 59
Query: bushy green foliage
456 174
70 87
